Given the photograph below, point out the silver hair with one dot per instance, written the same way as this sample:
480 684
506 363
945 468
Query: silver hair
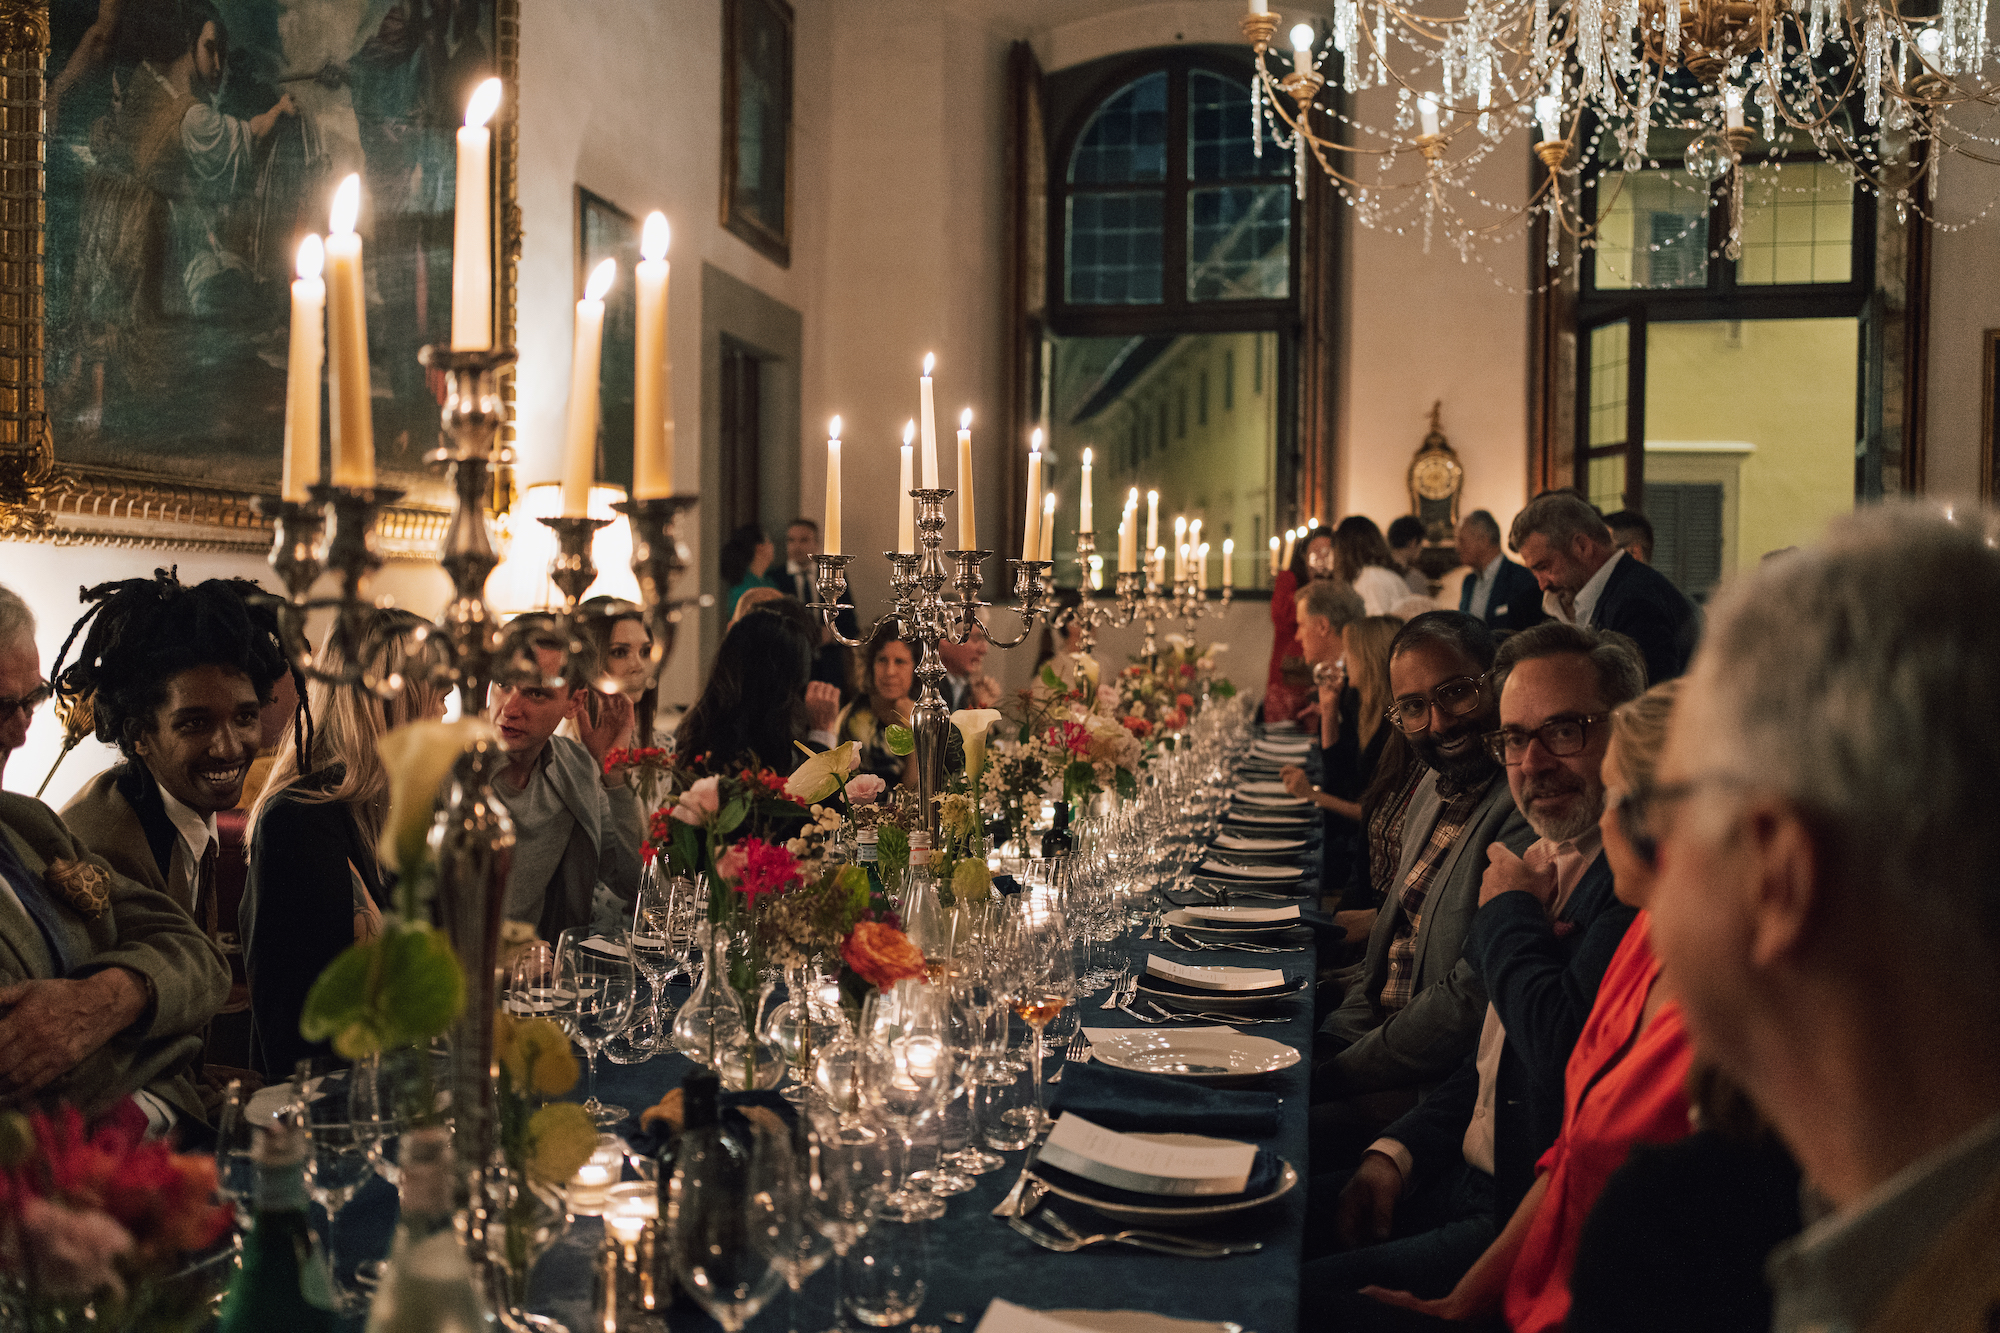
1560 516
1332 601
1483 522
17 622
1857 677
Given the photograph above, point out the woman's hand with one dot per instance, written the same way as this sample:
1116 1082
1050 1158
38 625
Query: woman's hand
606 727
1444 1307
822 705
1296 782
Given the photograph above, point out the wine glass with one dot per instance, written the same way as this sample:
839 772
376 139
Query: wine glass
882 1277
595 987
781 1203
715 1256
337 1165
530 990
235 1161
1037 956
905 1062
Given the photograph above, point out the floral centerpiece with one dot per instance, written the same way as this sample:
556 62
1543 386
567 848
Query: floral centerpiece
544 1142
94 1221
1068 745
649 769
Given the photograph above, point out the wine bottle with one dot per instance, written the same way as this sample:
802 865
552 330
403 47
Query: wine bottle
284 1282
868 855
1057 841
427 1284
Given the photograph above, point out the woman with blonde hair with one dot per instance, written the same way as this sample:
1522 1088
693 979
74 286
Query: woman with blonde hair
315 885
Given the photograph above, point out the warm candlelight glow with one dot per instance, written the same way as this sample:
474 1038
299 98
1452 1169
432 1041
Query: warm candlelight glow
652 371
930 362
484 102
833 428
657 236
346 207
601 279
352 404
965 419
312 257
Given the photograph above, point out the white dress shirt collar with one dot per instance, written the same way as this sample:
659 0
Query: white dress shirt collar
196 830
1587 596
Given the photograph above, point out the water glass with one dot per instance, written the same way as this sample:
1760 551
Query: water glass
882 1276
595 989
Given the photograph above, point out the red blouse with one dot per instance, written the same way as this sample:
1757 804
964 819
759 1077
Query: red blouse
1622 1086
1281 701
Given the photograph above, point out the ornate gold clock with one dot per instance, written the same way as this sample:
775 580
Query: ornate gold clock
1436 479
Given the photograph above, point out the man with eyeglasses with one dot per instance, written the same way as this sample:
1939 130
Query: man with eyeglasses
1413 1012
1442 1175
1827 909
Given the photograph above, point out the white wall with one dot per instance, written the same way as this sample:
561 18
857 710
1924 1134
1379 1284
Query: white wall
1965 301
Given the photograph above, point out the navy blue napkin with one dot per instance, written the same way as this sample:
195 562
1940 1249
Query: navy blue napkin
1265 1173
1125 1100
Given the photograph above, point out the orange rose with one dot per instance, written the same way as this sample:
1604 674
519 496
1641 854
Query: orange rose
882 955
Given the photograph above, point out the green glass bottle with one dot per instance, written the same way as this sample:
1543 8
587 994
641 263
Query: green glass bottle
868 855
1057 841
284 1282
427 1284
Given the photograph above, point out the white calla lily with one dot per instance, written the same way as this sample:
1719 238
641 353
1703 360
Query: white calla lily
821 775
973 724
418 757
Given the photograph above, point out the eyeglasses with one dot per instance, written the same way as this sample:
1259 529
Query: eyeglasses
1454 698
1560 736
27 703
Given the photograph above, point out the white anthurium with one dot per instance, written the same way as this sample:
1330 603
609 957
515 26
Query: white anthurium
973 724
418 757
821 775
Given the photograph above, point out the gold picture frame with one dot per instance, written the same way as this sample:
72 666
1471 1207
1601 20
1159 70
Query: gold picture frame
757 54
77 495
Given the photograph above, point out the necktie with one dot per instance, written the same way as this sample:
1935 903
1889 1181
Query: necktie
35 901
206 909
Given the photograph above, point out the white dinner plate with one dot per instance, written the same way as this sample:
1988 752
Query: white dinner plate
1267 801
1185 1214
1220 1002
1236 842
1264 817
1263 788
1179 919
1213 869
1214 1055
1137 1321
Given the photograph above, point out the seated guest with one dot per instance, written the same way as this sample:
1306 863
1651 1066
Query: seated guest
1632 533
315 885
1624 1084
176 678
745 559
1568 548
105 984
1361 558
617 631
884 702
575 826
758 703
1414 1013
1406 544
965 683
1826 908
1326 608
1288 682
1499 591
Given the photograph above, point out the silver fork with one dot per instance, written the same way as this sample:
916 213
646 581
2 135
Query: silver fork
1121 988
1076 1053
1158 1239
1166 1015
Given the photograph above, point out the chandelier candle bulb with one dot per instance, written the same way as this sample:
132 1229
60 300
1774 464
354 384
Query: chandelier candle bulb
585 361
1083 498
1031 526
1549 112
1228 562
1302 48
347 322
1427 112
968 534
906 504
472 225
302 372
1732 107
652 384
1048 527
1152 519
833 487
927 419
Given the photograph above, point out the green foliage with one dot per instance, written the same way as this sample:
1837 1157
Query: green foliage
892 847
1052 680
1222 689
899 739
1128 784
401 988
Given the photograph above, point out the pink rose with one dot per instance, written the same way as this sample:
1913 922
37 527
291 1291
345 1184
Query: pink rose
71 1249
699 802
864 789
731 863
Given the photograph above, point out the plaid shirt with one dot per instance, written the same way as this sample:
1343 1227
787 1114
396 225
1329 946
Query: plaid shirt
1400 985
1385 836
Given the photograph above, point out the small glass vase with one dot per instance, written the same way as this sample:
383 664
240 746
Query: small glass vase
534 1216
716 1027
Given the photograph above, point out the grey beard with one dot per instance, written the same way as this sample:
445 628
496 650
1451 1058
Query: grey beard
1569 827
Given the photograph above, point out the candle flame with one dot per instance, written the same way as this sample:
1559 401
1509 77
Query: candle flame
1049 503
1274 543
1035 440
833 429
601 279
965 419
484 102
312 257
930 360
657 236
909 432
346 207
1228 545
1202 550
1086 458
1152 497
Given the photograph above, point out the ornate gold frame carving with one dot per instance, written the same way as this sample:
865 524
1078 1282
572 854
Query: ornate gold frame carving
41 498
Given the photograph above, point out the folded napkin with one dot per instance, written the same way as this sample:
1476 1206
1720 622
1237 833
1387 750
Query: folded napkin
1263 788
1222 870
1235 842
1266 801
1125 1100
1265 1173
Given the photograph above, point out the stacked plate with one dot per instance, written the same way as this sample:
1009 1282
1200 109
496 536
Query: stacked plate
1219 1055
1271 1178
1229 872
1246 993
1246 846
1242 922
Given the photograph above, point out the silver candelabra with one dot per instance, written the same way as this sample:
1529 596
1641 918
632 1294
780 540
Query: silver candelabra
1139 595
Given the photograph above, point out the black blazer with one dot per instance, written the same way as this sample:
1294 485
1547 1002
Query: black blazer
1643 604
1516 602
1543 981
302 917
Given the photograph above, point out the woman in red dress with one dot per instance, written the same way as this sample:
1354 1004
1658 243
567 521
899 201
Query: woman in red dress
1311 559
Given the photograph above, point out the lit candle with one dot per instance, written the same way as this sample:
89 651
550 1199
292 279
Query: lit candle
833 487
1732 107
968 532
1202 552
1427 111
1159 564
1031 527
586 352
1194 533
1274 555
1549 112
1180 547
1083 498
1228 562
347 324
1152 519
1259 7
1302 48
1049 526
302 367
653 377
472 226
1128 539
625 1226
927 416
906 505
1291 534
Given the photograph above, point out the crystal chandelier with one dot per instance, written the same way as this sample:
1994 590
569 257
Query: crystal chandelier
1883 94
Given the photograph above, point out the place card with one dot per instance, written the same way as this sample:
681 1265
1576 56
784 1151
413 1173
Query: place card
1007 1317
1215 978
1122 1161
1244 913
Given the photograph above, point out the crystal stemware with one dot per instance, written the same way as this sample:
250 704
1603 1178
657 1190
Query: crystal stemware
595 989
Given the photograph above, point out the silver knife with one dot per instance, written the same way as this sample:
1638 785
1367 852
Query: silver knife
1011 1206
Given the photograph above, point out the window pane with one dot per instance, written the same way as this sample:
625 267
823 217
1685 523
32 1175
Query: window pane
1220 146
1652 231
1607 482
1238 242
1127 139
1609 357
1798 224
1114 249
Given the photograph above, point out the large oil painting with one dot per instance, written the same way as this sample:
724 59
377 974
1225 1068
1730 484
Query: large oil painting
192 144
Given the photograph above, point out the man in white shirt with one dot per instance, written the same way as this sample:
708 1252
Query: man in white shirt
1566 545
1828 906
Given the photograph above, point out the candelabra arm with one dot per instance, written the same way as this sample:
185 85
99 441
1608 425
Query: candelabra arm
295 535
471 416
658 557
832 585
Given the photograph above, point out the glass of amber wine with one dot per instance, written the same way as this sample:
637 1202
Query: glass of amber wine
1036 949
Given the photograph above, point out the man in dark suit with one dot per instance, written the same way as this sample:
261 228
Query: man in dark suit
833 661
1427 1197
1567 546
1498 591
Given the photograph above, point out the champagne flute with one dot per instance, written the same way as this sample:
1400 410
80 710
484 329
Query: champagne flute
1038 953
595 988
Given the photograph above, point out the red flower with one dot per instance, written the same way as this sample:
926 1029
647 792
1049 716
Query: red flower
755 866
1174 721
1138 726
1187 668
1184 700
1071 738
882 955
